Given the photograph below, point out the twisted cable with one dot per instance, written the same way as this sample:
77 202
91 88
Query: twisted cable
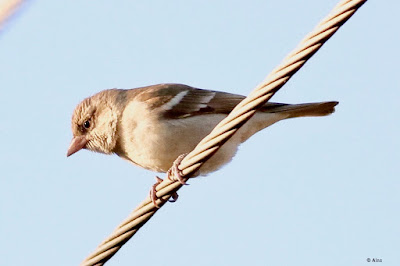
226 128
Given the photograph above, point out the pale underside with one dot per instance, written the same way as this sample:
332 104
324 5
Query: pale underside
155 146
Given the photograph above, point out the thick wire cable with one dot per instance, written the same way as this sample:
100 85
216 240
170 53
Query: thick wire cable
226 128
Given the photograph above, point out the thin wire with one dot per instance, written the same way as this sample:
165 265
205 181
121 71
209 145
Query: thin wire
8 8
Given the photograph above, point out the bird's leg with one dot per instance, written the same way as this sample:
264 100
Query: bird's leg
153 193
172 174
174 171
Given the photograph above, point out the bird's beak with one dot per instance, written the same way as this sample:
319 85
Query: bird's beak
77 143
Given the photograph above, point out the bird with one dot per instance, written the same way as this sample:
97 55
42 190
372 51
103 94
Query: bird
152 126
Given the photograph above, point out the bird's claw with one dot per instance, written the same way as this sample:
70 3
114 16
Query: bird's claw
174 197
174 173
153 193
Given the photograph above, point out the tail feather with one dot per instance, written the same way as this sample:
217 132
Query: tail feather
299 110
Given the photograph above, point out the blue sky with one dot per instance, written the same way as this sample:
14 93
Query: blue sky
310 191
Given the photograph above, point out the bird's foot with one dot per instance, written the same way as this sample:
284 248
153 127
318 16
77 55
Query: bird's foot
153 193
174 173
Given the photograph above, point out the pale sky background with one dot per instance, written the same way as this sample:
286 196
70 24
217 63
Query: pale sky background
310 191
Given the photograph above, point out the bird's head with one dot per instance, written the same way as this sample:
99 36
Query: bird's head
94 124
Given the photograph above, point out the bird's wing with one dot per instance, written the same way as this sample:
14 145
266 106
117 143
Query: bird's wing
178 101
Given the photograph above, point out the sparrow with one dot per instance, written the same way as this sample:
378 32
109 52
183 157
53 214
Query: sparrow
151 126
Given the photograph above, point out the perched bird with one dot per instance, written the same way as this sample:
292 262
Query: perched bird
151 126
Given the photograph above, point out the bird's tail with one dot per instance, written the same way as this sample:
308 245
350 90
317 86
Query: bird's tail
298 110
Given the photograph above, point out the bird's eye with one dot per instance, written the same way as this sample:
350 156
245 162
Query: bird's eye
86 124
